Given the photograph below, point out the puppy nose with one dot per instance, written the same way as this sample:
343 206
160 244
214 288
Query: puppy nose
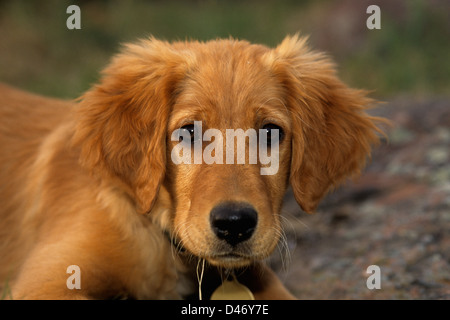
233 222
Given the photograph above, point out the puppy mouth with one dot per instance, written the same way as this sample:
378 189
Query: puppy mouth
224 255
221 255
225 259
230 259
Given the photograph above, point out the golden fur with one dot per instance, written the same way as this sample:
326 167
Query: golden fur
90 183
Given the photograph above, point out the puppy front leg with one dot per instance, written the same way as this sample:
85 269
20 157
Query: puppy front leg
45 276
264 283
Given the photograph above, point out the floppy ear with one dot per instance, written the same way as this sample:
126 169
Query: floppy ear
331 133
121 122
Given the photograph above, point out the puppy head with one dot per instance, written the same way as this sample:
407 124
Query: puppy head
226 213
227 210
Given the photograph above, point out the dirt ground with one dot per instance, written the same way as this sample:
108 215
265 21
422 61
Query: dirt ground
396 216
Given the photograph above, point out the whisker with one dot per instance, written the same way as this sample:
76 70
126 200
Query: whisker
200 277
177 236
282 247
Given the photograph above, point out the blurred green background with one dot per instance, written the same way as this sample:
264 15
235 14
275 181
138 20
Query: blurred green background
409 55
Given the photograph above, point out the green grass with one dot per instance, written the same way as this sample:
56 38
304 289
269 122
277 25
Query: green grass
38 52
411 57
6 292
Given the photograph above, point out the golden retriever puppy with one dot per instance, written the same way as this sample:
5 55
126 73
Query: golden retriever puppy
99 198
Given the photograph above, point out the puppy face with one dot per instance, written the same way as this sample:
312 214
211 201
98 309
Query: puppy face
226 213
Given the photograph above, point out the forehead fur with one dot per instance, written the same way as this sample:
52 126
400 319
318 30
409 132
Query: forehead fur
229 76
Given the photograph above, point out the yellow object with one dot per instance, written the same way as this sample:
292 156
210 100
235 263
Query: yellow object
232 290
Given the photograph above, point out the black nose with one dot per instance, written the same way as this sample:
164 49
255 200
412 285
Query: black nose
233 222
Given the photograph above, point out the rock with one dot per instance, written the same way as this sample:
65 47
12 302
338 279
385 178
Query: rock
397 216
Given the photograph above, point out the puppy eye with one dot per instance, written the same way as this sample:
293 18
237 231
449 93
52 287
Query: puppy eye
272 131
189 130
